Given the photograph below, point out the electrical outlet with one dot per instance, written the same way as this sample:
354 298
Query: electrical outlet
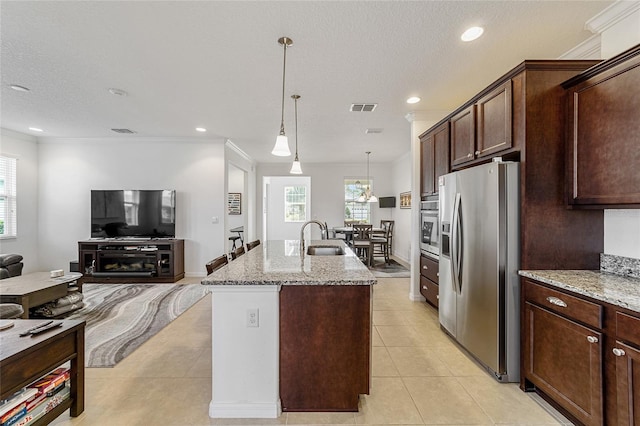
253 318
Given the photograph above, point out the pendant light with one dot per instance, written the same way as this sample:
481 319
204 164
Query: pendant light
367 195
295 167
281 148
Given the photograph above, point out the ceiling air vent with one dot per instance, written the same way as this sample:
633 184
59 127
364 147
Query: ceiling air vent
126 131
370 131
363 107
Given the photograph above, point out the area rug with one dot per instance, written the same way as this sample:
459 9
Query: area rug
121 317
391 270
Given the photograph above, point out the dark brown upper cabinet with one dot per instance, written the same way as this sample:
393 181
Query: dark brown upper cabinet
603 134
434 146
463 136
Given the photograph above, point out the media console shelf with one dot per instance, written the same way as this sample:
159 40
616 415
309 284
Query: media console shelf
112 260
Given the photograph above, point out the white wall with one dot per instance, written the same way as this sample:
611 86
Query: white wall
401 178
236 184
327 187
25 149
70 168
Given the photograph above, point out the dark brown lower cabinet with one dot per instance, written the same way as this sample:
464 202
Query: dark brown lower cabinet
564 360
627 383
325 346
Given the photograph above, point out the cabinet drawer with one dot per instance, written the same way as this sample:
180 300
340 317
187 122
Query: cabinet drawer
429 290
429 268
628 328
572 307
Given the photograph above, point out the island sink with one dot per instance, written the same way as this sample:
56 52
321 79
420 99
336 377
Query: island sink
325 251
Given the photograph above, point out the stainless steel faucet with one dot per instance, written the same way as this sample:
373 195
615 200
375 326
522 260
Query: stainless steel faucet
323 230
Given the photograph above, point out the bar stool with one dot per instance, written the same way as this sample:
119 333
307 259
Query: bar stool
233 240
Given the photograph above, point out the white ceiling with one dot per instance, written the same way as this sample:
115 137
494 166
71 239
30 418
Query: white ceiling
217 64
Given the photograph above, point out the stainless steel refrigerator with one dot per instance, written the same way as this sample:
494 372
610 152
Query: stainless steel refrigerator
479 261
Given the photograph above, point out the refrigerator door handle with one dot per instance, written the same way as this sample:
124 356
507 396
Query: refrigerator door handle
456 247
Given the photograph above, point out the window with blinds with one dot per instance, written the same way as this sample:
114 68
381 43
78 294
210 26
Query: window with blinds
295 203
355 212
8 218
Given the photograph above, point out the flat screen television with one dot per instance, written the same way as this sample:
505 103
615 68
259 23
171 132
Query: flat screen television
386 202
133 213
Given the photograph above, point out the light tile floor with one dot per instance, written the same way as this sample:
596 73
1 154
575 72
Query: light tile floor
419 377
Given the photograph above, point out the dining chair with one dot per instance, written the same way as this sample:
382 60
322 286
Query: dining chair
237 253
216 263
361 242
388 224
381 245
253 244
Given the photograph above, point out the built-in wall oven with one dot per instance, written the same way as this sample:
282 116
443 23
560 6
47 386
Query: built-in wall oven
429 227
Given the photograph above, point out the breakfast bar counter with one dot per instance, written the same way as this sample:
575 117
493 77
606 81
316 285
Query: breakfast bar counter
290 332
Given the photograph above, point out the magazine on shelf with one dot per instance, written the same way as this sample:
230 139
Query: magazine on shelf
7 407
44 407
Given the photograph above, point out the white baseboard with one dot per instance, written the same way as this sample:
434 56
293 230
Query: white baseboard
248 410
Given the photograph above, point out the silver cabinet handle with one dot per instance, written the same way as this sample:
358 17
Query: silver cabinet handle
469 155
618 352
592 339
556 301
477 152
424 287
424 267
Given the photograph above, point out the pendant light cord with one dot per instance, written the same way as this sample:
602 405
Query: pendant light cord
295 103
284 70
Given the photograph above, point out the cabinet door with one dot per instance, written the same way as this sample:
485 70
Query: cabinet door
604 124
427 173
164 263
441 153
463 136
494 121
564 360
627 384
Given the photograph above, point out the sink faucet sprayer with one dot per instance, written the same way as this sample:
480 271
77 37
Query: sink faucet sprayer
323 230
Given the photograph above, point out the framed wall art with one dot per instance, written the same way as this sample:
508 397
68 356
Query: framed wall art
235 203
405 200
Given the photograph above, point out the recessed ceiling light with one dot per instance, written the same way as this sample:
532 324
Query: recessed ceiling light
413 100
201 129
35 129
117 92
19 88
472 34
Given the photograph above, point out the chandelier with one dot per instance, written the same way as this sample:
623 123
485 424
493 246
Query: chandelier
367 194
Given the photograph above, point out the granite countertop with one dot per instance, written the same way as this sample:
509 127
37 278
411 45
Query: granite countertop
279 263
619 290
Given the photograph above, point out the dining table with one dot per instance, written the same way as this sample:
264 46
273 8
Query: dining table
347 231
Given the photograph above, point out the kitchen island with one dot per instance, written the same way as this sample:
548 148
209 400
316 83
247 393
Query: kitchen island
290 332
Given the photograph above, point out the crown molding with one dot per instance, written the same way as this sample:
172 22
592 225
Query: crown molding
589 49
233 147
612 15
429 115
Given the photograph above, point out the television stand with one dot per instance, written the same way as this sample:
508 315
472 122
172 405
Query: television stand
115 260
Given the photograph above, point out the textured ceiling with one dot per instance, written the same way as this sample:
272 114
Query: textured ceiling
218 65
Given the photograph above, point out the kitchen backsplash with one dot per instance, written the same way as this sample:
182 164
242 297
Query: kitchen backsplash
620 265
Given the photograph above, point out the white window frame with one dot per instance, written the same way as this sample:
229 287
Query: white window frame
302 202
8 196
350 200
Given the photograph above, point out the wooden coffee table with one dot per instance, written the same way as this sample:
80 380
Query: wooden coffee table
35 289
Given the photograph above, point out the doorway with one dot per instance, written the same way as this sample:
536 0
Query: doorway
287 205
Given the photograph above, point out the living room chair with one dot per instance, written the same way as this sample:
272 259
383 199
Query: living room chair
10 265
253 244
361 242
216 263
